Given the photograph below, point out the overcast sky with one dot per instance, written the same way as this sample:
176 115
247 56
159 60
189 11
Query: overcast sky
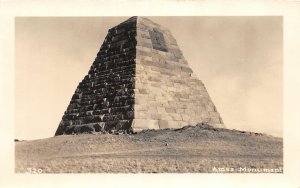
239 59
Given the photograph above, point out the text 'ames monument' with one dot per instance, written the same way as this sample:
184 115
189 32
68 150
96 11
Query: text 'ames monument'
139 80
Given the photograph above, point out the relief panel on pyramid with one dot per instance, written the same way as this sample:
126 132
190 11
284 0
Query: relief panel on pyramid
139 80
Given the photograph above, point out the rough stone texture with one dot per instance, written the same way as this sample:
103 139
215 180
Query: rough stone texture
139 80
167 94
104 99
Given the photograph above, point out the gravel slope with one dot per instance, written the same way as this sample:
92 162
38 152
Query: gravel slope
189 149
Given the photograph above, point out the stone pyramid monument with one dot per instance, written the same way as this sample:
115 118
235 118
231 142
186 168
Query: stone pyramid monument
139 80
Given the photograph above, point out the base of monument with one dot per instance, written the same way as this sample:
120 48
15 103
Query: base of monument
131 126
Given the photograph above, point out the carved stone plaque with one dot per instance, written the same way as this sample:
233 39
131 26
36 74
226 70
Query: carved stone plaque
158 40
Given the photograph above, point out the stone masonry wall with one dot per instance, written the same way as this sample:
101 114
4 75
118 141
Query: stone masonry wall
139 80
167 95
104 99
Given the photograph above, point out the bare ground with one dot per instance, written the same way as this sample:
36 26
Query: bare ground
187 150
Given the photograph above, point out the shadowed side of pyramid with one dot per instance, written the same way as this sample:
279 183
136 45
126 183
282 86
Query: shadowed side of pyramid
104 99
139 80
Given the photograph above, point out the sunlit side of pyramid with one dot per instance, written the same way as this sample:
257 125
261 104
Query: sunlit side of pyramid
139 80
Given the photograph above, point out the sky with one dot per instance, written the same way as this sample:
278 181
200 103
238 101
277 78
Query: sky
239 59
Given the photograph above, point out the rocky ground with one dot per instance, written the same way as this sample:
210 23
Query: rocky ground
186 150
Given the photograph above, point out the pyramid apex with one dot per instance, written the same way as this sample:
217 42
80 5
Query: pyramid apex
144 20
